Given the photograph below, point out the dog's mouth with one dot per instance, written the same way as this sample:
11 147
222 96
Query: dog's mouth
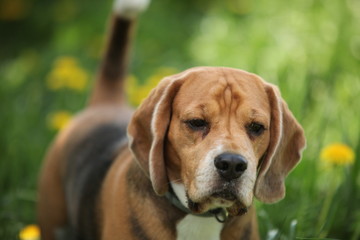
223 199
227 195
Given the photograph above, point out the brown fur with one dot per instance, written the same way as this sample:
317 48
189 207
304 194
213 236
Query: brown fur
162 149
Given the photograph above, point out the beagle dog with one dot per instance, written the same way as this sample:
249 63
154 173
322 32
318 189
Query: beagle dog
186 164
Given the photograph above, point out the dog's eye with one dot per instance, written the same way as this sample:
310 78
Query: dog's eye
197 124
255 129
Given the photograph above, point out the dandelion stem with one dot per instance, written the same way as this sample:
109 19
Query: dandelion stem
324 213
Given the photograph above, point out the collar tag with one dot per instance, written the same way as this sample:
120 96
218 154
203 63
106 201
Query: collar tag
220 214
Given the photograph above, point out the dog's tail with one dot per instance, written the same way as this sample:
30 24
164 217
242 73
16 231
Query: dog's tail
109 84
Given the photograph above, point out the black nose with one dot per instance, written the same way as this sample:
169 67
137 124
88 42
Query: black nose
230 166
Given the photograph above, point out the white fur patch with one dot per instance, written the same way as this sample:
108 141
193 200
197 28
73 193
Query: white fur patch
207 170
194 227
130 9
179 190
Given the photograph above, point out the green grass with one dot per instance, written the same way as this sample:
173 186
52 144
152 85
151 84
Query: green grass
309 48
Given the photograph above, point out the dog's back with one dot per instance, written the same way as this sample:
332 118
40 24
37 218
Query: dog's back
87 164
83 152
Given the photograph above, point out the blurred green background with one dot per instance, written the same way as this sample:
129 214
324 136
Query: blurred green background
50 51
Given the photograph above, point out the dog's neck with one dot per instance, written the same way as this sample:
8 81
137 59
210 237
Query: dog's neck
182 224
195 226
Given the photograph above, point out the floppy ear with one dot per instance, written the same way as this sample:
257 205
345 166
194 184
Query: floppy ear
287 141
148 128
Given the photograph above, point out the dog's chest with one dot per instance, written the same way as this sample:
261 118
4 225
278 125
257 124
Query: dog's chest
193 227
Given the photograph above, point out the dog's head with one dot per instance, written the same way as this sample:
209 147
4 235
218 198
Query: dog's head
223 135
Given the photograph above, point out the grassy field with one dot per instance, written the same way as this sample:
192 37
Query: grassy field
50 50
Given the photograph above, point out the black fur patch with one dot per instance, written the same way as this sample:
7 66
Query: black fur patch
137 229
87 165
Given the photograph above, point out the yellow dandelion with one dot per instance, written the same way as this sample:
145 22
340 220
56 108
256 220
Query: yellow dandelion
141 94
160 74
55 80
59 120
30 232
67 73
138 92
66 61
338 154
78 79
131 87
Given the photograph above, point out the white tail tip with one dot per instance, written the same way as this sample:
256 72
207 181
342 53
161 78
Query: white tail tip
130 9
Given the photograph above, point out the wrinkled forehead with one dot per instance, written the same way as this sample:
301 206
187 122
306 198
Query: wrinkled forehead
222 87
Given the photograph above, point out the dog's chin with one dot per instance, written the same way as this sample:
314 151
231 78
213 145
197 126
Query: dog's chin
225 199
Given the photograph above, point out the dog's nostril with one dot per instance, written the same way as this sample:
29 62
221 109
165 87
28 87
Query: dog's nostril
241 167
221 165
230 166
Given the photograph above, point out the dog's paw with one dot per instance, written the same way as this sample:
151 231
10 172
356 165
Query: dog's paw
130 9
